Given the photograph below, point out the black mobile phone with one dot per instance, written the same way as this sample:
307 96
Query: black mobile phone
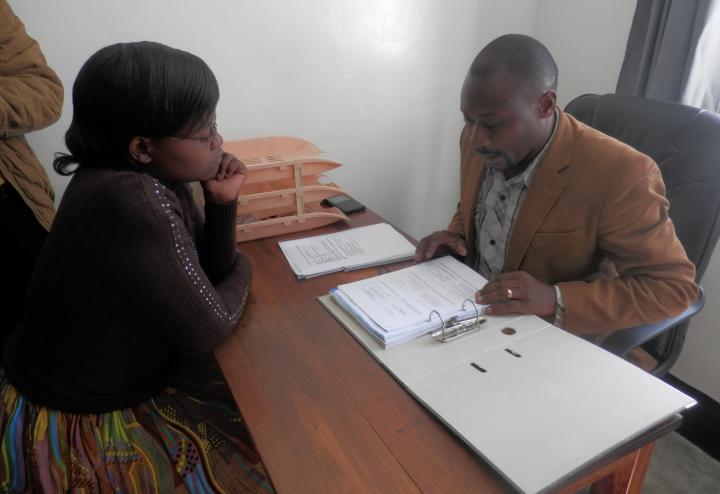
344 203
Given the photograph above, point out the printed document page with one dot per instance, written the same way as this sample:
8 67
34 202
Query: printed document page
346 250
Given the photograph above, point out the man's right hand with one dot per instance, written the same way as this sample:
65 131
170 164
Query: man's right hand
440 242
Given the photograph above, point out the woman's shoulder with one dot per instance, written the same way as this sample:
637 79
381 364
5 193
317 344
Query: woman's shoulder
123 189
122 197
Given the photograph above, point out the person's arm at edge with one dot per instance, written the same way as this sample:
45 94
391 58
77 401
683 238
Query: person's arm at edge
154 255
31 94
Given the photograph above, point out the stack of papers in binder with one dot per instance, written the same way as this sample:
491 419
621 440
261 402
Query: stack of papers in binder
398 306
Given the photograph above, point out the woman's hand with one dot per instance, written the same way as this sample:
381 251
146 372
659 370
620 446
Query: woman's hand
225 187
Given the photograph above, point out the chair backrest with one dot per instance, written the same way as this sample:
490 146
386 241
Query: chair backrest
685 143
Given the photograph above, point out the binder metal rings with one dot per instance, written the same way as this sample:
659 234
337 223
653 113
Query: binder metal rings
453 328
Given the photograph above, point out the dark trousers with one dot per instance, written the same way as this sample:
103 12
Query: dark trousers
21 238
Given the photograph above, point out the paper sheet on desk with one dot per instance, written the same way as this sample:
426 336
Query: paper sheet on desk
347 250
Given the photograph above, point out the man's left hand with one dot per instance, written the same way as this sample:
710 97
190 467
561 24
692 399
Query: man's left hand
517 293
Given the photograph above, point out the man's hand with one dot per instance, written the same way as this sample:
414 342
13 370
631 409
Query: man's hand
225 187
437 242
517 293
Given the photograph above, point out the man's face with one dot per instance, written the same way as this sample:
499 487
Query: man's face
505 125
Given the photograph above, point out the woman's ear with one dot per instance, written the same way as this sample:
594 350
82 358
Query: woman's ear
140 149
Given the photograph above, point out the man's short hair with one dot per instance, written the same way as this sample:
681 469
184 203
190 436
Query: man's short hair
522 56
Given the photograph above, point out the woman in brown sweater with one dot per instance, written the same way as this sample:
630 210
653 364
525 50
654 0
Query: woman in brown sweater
108 383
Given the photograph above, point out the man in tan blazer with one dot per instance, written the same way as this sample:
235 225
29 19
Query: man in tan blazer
567 223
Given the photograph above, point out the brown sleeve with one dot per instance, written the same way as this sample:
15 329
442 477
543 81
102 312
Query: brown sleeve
213 230
656 280
31 94
152 253
218 245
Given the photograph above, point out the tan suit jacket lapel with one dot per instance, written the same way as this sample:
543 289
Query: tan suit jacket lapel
472 187
546 187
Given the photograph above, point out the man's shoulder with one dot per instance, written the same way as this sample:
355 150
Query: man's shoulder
595 153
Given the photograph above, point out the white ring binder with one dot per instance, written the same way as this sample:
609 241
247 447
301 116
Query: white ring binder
454 329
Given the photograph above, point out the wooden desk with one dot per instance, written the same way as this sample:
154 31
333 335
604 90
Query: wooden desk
327 418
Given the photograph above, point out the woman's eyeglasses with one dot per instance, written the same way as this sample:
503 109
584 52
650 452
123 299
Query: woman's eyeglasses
211 138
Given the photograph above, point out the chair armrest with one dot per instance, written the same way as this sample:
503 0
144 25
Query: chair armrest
621 342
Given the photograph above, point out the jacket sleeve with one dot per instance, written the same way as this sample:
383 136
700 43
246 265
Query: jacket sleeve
218 244
654 278
156 259
31 94
457 223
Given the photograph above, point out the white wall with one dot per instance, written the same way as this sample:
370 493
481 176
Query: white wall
587 39
375 83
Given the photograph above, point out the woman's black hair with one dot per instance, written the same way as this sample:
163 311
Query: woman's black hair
134 89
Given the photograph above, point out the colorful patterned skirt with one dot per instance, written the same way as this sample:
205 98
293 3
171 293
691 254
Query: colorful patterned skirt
190 438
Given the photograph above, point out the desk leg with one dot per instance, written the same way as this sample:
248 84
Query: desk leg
623 476
628 474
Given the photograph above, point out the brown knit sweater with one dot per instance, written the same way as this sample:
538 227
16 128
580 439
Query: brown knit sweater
129 277
31 97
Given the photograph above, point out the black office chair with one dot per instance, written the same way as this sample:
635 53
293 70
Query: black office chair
685 143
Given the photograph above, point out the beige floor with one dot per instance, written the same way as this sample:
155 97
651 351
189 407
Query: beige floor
679 467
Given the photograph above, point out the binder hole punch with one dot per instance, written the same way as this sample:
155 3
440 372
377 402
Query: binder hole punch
454 328
513 353
508 331
478 367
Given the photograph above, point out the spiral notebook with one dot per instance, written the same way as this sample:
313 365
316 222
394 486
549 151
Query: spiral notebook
347 250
